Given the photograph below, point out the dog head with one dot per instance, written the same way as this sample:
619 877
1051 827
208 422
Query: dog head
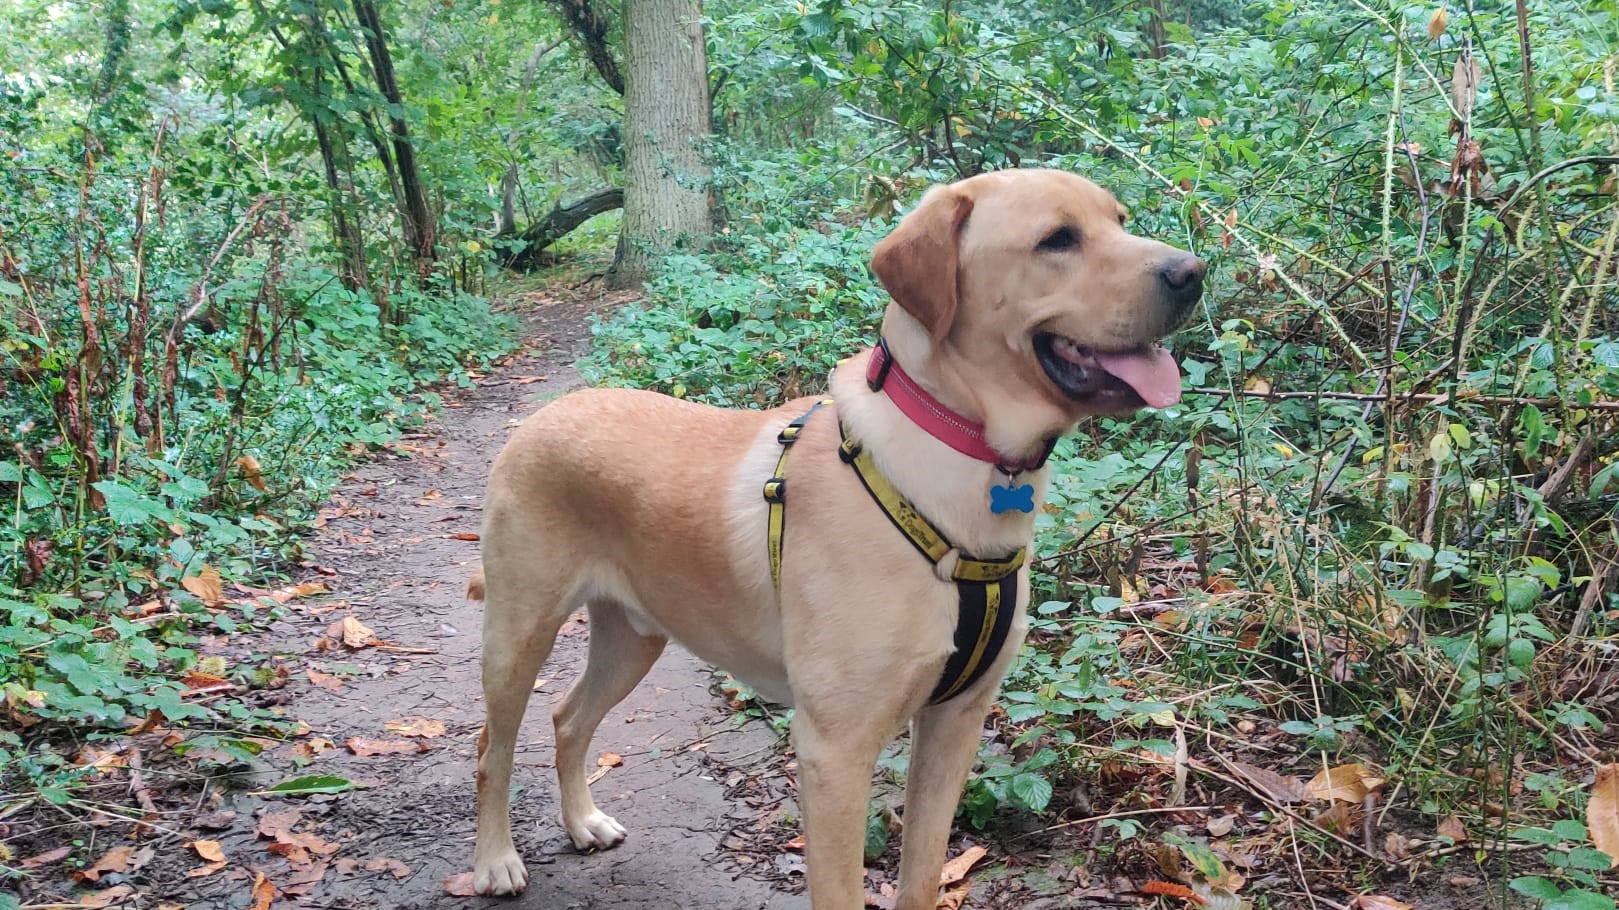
1023 299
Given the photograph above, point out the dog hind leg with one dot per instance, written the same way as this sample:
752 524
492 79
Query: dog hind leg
620 657
518 632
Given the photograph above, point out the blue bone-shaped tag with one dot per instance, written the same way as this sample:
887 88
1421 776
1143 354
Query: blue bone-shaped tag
1005 499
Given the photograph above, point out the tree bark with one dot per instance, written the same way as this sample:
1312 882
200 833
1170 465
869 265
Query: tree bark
666 119
590 24
562 220
420 230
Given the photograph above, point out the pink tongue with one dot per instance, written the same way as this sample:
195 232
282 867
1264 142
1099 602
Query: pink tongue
1153 374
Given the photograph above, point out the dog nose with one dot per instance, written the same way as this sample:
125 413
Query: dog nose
1184 276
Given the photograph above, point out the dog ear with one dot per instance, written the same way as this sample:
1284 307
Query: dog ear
917 262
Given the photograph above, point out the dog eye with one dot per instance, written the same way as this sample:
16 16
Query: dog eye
1063 238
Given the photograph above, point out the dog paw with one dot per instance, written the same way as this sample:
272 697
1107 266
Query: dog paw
504 875
596 831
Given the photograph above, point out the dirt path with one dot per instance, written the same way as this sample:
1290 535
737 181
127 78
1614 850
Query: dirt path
695 788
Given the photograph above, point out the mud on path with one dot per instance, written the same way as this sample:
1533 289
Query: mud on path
694 785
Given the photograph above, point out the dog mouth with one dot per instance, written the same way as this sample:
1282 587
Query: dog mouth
1109 380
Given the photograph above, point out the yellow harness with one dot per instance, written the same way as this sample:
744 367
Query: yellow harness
986 588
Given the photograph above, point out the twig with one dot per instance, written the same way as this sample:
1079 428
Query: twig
1429 398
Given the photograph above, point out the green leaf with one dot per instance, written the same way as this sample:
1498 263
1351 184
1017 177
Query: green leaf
1589 859
127 506
313 783
1536 887
1570 829
1197 853
1032 790
10 472
1580 900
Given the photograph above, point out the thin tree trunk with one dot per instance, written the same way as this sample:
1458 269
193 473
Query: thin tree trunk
666 119
420 230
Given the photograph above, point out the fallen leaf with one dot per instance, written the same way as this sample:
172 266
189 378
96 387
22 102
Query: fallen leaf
263 892
954 897
303 880
218 820
207 870
606 762
114 895
276 822
796 844
1602 812
1221 826
389 865
206 586
308 588
1344 783
460 885
46 858
114 860
203 683
1450 826
1379 902
462 535
883 899
957 869
351 632
209 850
303 786
362 746
251 472
415 726
1279 787
325 681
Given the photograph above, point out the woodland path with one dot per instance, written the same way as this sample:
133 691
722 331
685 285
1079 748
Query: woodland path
703 796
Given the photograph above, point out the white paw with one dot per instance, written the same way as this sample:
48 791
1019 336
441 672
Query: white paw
595 831
502 875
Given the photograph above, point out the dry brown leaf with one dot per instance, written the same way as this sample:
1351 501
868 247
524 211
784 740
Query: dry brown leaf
324 680
206 586
209 850
114 895
351 632
957 869
1437 23
1221 825
202 683
362 746
796 845
278 822
883 899
252 473
424 727
1450 826
114 860
389 865
1338 819
462 535
46 858
610 760
1344 783
1379 902
1602 812
283 595
207 870
1279 787
1464 81
263 892
953 898
460 885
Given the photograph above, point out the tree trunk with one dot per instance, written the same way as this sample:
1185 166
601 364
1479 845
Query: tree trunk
420 230
666 119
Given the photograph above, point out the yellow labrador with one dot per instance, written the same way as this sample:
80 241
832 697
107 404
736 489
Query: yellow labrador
1020 305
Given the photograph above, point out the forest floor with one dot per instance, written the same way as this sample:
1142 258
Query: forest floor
707 797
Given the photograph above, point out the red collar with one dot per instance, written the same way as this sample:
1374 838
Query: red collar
883 373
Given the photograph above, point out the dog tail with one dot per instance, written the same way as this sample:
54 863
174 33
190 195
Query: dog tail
475 584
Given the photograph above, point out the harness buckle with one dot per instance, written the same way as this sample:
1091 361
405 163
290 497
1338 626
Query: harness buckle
883 361
776 490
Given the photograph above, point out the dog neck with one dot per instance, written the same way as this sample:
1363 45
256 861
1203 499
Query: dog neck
953 490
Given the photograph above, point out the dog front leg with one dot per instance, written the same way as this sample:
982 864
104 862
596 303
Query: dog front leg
944 744
834 788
